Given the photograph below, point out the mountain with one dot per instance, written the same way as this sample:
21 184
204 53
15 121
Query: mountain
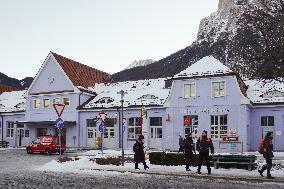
138 63
246 35
15 83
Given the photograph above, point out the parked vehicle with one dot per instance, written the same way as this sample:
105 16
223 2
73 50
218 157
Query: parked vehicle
46 145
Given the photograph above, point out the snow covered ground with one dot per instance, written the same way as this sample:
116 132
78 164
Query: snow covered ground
84 165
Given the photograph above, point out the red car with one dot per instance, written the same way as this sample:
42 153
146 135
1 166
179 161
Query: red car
46 144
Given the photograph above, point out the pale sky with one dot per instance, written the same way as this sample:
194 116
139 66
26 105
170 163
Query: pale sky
104 34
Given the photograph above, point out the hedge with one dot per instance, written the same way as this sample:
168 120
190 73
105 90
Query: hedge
170 159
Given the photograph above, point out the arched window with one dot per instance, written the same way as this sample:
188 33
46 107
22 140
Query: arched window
272 94
148 96
105 100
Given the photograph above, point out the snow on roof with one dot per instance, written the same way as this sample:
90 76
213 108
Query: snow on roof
204 67
265 91
141 92
12 101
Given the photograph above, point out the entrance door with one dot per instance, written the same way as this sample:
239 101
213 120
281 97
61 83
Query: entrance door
156 138
92 139
108 140
20 137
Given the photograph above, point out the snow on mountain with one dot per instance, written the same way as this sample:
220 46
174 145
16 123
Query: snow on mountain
137 63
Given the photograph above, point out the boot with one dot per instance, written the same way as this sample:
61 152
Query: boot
136 166
261 173
270 177
209 171
146 167
198 171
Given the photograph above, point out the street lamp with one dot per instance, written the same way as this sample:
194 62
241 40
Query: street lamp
122 93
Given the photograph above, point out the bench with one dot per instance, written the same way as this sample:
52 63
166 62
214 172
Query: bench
4 144
248 161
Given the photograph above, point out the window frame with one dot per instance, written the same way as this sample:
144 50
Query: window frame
136 127
44 105
154 134
64 102
9 129
267 121
35 103
212 89
217 127
190 92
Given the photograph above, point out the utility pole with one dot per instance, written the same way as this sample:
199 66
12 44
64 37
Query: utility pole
122 93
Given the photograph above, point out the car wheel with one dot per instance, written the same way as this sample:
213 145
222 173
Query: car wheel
29 151
48 151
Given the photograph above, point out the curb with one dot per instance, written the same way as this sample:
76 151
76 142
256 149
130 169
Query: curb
191 175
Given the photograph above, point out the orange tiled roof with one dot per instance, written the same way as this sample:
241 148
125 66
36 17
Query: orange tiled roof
6 88
80 74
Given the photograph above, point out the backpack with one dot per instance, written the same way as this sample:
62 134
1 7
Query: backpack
261 148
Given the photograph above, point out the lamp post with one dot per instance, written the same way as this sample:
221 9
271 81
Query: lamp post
122 93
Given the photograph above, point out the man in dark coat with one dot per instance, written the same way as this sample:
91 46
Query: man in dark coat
203 145
267 149
188 151
139 155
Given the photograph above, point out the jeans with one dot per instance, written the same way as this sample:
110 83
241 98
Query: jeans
204 156
267 167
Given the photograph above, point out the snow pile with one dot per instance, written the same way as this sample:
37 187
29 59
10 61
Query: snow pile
207 66
138 63
12 101
266 91
142 92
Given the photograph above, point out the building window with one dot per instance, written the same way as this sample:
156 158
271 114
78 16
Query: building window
156 125
91 123
134 128
66 101
27 133
56 101
218 89
46 103
10 130
41 132
189 90
189 123
219 126
36 103
267 121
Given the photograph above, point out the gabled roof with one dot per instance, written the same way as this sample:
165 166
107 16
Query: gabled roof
151 92
6 88
80 74
12 101
207 66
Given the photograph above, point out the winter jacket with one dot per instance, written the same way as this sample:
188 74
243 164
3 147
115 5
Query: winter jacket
268 149
204 144
138 149
180 142
188 146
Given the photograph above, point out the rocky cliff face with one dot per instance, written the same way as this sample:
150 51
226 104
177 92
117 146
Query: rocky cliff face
246 35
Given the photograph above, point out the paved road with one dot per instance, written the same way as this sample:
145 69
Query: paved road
16 171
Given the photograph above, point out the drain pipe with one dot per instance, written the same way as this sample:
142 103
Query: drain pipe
2 132
79 128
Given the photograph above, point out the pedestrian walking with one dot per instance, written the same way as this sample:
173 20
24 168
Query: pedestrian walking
139 156
203 145
188 151
180 142
266 149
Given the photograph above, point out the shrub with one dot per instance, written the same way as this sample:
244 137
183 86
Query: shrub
108 161
170 159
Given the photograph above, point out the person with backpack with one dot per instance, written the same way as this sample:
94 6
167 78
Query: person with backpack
203 145
188 151
266 149
139 156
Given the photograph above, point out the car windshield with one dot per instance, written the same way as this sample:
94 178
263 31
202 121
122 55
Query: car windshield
37 141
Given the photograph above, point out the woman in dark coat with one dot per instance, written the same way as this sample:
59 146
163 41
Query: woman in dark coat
188 151
139 156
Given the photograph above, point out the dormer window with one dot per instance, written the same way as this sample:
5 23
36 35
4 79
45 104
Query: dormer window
20 105
189 90
218 89
105 100
147 96
272 94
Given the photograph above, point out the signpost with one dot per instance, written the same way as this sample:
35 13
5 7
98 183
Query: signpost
59 123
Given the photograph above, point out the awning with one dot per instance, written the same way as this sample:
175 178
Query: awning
46 123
